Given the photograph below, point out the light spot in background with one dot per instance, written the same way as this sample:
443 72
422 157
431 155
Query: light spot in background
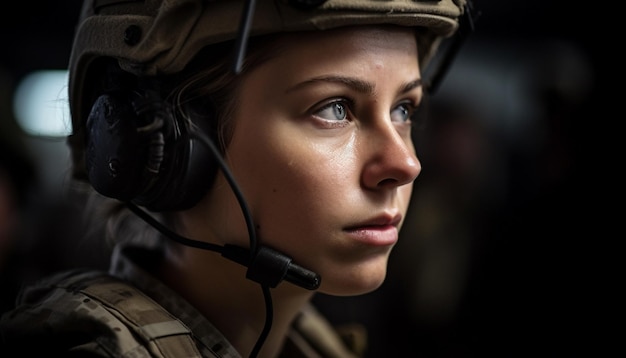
41 103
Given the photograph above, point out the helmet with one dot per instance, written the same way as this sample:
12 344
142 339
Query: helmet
160 37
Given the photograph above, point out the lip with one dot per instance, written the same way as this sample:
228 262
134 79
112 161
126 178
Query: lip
381 230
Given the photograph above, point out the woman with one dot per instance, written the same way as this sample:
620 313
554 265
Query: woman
311 183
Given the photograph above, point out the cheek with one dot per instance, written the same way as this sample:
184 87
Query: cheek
295 176
297 191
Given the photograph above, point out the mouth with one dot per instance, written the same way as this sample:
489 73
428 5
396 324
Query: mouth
381 230
381 221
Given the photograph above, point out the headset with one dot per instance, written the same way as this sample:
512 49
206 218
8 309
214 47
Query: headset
139 151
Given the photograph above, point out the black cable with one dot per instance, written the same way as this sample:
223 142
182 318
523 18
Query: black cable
244 31
233 184
234 253
171 234
242 41
269 309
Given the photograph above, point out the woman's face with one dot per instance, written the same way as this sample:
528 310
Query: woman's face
322 152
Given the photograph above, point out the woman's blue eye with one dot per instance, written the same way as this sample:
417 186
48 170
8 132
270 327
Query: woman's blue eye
335 111
402 113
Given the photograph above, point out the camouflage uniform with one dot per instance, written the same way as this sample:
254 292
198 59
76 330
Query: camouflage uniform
128 313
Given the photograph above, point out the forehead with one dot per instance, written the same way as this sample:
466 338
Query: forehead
338 45
374 57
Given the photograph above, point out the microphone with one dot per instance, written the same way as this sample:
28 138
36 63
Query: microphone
270 267
267 266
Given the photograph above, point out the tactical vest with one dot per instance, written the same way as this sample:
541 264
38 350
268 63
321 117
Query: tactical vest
136 326
113 318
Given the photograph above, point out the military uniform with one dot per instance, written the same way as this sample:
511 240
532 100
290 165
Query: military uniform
128 313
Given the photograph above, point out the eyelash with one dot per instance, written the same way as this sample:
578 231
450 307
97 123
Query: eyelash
348 104
345 102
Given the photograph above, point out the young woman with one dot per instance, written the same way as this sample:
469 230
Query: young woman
296 166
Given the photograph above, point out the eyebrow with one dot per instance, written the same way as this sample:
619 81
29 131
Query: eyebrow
411 85
353 83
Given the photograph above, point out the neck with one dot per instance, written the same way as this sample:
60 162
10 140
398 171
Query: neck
218 288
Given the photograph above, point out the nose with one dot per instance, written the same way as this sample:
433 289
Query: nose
392 161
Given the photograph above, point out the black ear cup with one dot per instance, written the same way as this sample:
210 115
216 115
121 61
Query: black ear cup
138 151
112 136
188 168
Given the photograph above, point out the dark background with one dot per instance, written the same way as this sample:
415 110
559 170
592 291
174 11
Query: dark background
500 255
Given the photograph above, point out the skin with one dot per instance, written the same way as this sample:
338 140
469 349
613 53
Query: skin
328 189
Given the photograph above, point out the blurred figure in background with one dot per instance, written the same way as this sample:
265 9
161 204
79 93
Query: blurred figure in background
40 228
18 181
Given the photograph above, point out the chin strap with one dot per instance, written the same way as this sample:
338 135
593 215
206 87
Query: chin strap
466 27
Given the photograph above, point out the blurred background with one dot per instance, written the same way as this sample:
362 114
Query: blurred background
498 256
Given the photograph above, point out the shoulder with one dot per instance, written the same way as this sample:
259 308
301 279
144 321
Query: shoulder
91 312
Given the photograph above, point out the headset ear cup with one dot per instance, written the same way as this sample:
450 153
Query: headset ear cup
137 150
189 167
115 150
200 170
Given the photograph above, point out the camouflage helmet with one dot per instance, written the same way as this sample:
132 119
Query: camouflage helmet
160 37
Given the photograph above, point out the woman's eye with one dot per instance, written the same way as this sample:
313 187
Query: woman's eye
335 111
402 113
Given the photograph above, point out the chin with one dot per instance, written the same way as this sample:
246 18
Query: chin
355 283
